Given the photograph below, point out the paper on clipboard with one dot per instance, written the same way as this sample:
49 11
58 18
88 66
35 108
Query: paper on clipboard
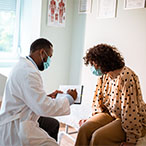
79 89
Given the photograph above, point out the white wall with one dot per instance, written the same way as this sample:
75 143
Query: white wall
61 38
127 32
78 38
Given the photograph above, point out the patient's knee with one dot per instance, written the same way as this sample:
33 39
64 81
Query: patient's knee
83 129
98 138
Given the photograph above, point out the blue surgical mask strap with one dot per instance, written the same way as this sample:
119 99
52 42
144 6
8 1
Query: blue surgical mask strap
47 63
46 54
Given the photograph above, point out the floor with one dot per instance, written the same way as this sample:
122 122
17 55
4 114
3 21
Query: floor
65 140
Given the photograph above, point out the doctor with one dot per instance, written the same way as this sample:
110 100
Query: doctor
25 100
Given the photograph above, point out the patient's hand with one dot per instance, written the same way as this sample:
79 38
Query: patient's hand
54 94
127 144
81 122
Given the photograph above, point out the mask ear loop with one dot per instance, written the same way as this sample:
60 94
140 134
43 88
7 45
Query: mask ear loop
41 58
46 53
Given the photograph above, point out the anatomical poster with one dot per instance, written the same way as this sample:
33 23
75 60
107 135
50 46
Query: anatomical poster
56 13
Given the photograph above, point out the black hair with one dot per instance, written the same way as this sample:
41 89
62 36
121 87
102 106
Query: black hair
39 44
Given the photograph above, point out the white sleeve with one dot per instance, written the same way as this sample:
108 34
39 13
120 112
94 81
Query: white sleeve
36 99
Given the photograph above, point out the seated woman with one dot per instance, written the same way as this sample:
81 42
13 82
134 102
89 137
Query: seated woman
119 112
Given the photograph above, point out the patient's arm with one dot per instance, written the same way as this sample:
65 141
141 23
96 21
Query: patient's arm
104 109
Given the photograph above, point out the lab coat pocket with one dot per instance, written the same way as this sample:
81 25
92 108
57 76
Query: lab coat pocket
30 134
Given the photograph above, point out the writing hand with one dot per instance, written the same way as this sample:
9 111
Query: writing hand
73 93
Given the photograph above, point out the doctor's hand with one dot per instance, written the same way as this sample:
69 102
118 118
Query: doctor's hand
54 94
73 93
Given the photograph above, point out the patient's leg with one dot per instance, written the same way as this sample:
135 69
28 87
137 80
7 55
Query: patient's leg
87 129
111 134
50 125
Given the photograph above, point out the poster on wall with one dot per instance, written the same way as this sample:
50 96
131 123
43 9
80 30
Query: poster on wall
134 4
84 6
56 13
106 8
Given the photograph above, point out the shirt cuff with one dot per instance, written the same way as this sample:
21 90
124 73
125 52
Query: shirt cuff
131 140
70 99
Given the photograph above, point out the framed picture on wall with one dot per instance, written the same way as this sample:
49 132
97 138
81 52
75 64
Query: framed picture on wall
56 13
106 8
84 6
134 4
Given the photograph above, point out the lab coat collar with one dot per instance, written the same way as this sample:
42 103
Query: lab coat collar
29 58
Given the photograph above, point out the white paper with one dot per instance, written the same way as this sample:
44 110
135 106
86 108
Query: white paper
133 4
106 8
84 6
79 89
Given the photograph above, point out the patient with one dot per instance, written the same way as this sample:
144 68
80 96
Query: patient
119 112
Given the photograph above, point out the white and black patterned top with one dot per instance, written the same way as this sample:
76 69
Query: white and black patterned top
123 98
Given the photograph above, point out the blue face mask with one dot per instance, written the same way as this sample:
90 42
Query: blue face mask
96 72
47 63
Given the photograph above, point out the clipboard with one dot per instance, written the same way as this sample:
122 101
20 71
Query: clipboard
79 89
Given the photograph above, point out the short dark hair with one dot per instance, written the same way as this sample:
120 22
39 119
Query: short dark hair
39 44
105 56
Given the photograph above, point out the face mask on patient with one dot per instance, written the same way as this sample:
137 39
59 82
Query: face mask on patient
96 72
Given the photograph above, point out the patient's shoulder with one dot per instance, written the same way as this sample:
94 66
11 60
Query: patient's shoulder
127 73
128 76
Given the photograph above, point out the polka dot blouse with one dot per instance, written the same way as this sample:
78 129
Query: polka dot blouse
123 99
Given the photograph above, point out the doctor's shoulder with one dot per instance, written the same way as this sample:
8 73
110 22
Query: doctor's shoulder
23 69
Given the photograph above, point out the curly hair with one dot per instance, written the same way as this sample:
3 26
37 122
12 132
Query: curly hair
105 56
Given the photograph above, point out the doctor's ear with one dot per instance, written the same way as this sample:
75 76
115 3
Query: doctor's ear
41 52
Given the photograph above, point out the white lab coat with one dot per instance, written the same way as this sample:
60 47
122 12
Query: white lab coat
24 101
